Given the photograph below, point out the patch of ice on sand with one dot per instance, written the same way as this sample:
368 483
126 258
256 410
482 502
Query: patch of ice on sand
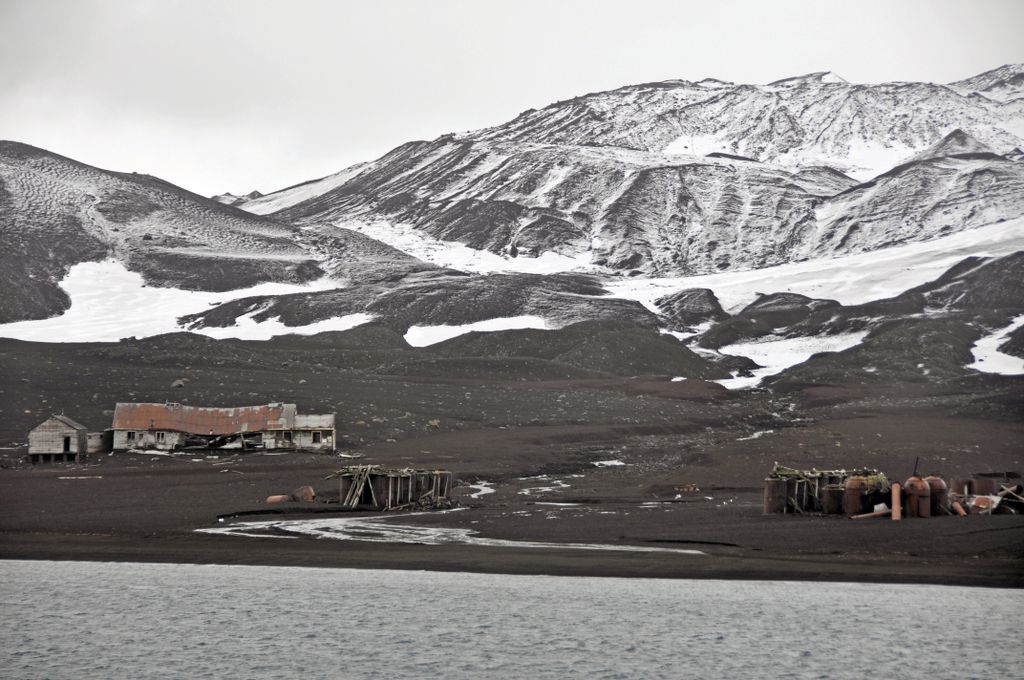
108 303
608 463
421 336
555 485
382 530
777 354
756 435
988 358
482 489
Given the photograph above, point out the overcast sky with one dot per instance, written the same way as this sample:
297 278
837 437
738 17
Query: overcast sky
224 95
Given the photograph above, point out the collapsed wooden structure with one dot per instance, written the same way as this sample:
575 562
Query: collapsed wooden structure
373 487
789 490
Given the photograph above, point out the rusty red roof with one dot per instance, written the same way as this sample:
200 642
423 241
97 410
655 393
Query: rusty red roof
203 420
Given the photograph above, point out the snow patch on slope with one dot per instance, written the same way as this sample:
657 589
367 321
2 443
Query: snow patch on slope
286 198
697 145
421 336
778 354
459 256
988 358
853 279
108 303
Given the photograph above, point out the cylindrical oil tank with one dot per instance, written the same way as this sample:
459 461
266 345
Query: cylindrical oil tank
853 494
774 495
939 495
961 487
832 498
918 497
984 486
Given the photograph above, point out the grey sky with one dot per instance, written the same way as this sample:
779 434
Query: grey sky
224 95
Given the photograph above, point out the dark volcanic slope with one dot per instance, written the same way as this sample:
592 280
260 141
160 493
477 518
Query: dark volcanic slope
442 298
615 348
56 212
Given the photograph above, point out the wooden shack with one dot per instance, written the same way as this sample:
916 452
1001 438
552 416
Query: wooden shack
57 439
171 426
372 487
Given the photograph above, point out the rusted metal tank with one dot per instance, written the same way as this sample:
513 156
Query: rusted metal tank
774 495
919 497
984 486
961 487
853 495
939 495
832 499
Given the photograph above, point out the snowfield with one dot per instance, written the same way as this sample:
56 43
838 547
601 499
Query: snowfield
286 198
108 303
854 279
988 358
776 355
459 256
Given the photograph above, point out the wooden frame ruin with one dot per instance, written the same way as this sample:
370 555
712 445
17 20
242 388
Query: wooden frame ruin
373 487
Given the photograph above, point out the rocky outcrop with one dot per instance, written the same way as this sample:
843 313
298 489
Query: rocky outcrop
691 307
441 298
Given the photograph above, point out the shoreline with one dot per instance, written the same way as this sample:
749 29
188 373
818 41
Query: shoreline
1001 572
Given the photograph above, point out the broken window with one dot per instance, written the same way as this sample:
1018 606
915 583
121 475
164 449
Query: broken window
130 436
288 437
160 436
316 437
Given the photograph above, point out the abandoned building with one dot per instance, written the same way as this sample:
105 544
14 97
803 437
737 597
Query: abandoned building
57 439
171 426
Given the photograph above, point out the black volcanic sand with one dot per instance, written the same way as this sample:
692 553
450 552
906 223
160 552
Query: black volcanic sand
694 462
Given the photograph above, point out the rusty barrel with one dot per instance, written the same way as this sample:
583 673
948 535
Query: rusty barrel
774 495
984 486
939 495
961 487
853 495
832 499
919 497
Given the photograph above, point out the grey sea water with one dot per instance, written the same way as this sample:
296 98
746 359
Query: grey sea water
105 620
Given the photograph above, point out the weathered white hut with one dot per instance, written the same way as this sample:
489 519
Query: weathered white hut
171 426
57 439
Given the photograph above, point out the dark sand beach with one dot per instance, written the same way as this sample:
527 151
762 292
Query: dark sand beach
693 464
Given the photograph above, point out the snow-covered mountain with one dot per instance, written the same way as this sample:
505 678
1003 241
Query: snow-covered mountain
734 216
1003 84
683 177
